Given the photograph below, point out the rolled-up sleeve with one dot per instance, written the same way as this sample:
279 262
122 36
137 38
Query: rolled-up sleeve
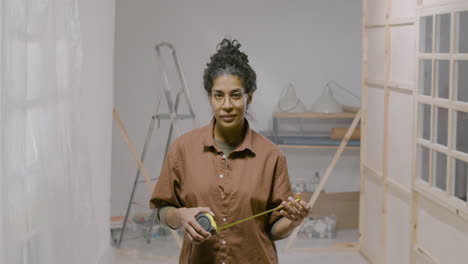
167 190
281 189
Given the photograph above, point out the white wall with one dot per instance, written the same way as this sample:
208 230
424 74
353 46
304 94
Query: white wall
97 27
306 43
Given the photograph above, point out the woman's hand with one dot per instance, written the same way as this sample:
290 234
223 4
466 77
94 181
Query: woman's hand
294 210
186 217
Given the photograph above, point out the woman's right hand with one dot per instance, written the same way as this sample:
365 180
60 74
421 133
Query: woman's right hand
186 217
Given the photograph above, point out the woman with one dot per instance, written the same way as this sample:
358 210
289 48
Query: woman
230 171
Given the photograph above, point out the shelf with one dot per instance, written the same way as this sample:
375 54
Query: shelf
314 147
314 115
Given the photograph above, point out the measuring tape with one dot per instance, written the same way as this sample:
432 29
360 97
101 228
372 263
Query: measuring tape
207 222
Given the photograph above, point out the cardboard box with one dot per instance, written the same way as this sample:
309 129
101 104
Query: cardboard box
344 205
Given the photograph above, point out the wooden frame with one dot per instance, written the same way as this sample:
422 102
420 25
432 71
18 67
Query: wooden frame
419 188
450 104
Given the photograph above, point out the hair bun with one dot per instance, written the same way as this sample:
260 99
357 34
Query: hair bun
229 60
231 48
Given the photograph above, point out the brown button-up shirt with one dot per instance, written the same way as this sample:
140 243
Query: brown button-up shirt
252 179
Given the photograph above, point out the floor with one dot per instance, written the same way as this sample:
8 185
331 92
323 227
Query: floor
294 257
135 250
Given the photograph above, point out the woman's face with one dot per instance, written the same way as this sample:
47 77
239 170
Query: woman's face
229 101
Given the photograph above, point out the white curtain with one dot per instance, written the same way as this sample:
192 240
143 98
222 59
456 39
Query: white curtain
47 207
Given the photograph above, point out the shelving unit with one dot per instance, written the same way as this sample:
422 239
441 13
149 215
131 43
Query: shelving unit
322 141
281 115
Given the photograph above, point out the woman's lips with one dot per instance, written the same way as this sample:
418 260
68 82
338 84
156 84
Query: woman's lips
228 118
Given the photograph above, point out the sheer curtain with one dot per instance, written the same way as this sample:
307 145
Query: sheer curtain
47 203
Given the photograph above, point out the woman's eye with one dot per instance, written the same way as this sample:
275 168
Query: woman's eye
236 96
218 96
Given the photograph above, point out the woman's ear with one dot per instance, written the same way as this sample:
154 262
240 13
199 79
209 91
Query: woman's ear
249 97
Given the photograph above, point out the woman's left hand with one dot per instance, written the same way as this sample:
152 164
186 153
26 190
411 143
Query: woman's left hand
294 210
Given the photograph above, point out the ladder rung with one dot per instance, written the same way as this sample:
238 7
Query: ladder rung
167 116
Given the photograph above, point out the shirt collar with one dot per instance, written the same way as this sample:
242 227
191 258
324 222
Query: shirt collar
246 144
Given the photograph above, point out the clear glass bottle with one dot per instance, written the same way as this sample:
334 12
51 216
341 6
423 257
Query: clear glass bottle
315 182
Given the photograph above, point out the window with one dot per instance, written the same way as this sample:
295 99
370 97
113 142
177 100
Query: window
442 99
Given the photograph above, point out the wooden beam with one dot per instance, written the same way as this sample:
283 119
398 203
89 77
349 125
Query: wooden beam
366 256
364 97
314 115
404 88
132 149
399 22
316 147
456 207
414 167
374 83
340 247
423 256
386 128
402 191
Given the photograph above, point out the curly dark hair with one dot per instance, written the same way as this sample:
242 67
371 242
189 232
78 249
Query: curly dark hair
229 60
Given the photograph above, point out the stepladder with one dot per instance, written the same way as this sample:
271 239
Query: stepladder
175 99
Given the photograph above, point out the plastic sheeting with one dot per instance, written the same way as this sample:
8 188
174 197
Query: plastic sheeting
48 208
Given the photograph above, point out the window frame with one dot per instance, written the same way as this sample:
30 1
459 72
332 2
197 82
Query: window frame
445 197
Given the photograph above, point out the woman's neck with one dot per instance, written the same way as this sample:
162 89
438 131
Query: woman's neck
232 136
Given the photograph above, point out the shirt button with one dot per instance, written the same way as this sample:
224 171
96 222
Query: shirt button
223 262
222 197
224 219
224 156
221 176
223 242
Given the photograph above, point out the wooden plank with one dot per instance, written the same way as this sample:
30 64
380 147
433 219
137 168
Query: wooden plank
459 106
365 256
432 146
423 256
414 169
399 22
402 191
459 56
459 155
341 247
337 133
132 149
314 115
449 188
375 83
404 88
414 224
315 147
374 26
325 177
441 198
372 173
364 107
440 8
384 227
